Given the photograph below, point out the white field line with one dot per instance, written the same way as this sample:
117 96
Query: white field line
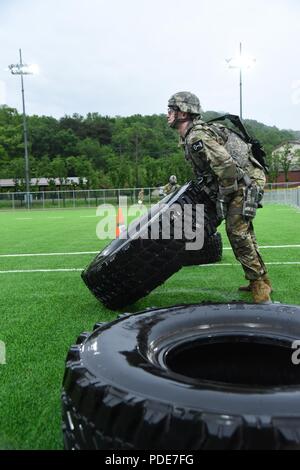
267 247
62 270
14 271
279 263
24 218
74 253
50 254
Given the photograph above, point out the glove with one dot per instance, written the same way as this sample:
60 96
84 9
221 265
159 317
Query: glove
252 200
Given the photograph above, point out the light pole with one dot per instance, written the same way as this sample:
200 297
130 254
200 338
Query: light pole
241 62
24 69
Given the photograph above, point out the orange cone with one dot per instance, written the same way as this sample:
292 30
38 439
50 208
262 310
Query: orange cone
120 225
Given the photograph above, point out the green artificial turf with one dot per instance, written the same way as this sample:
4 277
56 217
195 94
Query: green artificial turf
42 313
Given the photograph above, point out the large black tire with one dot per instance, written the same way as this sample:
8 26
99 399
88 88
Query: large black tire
210 376
210 253
128 269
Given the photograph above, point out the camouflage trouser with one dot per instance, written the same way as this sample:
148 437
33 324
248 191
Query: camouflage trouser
243 240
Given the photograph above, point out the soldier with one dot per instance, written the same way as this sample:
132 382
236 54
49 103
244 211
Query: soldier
171 186
141 196
229 182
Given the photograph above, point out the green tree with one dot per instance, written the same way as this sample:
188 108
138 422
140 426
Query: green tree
273 161
99 127
58 169
64 143
42 132
75 123
285 158
91 149
103 151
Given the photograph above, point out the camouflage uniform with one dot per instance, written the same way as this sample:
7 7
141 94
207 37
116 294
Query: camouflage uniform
170 188
207 147
141 196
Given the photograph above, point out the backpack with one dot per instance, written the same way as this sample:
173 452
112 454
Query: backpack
234 146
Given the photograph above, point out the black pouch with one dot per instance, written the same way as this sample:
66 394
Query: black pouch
252 196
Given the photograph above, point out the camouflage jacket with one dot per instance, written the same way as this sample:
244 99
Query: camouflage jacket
205 148
170 188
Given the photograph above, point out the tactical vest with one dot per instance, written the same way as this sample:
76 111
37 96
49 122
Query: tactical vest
235 145
238 149
257 154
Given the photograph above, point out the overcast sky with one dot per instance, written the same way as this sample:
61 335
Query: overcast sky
123 57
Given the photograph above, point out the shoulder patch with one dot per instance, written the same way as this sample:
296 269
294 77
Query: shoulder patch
197 146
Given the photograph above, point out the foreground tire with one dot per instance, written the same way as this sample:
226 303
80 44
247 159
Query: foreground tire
128 269
216 376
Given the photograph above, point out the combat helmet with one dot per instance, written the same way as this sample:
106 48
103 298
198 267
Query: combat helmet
173 179
186 102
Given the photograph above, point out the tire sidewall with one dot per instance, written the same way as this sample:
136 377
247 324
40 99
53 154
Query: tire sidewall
127 345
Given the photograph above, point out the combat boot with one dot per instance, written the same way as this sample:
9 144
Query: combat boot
267 281
248 288
260 291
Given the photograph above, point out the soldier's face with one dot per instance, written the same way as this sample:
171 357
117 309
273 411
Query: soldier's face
171 117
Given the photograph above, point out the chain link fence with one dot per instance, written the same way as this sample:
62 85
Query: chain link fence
75 198
282 193
279 193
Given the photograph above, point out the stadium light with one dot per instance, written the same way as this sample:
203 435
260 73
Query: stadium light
241 62
24 69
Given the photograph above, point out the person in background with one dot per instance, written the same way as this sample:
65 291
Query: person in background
141 196
171 186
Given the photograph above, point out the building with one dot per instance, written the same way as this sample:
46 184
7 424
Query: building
43 184
294 153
